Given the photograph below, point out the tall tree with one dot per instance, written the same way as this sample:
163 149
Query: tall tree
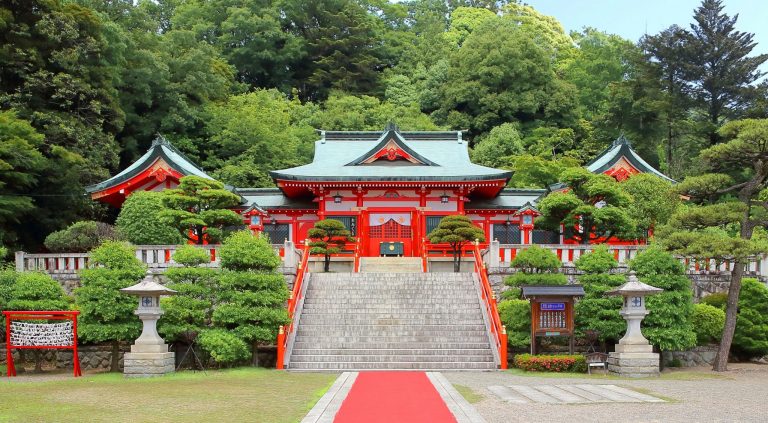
731 208
21 164
722 72
327 237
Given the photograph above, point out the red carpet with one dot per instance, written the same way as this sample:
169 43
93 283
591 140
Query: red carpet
393 397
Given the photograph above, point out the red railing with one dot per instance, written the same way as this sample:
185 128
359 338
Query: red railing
284 333
356 266
498 331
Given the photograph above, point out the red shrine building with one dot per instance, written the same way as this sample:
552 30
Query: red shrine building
388 187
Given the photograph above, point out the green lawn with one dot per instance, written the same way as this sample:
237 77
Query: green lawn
231 395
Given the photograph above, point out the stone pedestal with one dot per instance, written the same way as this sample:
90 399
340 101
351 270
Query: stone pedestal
633 361
149 356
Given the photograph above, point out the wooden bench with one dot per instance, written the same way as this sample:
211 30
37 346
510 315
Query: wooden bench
596 359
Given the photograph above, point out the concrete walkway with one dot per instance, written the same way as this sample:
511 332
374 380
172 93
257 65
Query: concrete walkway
327 408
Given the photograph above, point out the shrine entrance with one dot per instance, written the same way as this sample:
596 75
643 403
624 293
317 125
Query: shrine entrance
390 234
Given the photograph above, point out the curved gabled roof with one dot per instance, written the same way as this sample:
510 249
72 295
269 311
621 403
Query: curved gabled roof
160 149
622 148
346 156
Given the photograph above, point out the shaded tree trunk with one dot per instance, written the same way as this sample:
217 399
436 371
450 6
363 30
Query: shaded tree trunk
327 263
255 354
115 365
731 314
38 361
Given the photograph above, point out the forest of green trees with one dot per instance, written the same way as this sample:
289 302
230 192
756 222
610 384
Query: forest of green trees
241 85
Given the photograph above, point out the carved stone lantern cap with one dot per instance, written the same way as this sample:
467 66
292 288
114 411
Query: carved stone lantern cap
634 288
148 288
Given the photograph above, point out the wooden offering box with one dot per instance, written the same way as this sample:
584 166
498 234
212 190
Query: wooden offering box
552 311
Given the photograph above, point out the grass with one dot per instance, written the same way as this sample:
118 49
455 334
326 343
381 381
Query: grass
468 394
687 375
231 395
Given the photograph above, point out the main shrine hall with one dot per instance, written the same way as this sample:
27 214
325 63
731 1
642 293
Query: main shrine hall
387 187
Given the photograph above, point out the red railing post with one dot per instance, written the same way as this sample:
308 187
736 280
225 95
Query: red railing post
498 331
293 299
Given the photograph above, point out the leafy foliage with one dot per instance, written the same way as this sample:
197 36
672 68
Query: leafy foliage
668 326
250 295
139 220
198 209
80 237
597 312
536 266
188 313
106 314
708 323
516 316
37 291
751 336
594 206
718 300
456 231
224 347
327 237
653 201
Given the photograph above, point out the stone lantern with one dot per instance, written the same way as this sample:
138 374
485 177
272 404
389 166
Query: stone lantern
634 356
149 354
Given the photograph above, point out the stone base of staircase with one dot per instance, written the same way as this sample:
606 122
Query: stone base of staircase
391 321
391 265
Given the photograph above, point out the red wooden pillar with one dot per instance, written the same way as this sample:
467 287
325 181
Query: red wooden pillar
295 229
460 205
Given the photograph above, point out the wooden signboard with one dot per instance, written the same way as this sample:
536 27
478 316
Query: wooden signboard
552 311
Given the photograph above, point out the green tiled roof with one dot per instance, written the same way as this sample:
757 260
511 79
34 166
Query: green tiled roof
508 199
160 148
272 198
338 154
621 147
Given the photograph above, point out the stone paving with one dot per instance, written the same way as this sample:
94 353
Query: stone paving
568 394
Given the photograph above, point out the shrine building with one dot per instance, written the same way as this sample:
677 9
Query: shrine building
387 187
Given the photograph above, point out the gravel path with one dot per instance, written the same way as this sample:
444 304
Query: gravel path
740 395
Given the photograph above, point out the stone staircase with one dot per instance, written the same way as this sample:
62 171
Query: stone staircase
358 321
390 265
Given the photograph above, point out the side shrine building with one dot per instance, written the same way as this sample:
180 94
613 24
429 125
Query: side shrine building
388 187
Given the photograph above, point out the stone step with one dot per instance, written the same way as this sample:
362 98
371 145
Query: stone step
469 314
373 346
387 358
366 308
329 341
483 351
391 301
320 366
364 320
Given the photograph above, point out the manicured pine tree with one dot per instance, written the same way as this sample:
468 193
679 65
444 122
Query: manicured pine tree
106 314
668 326
251 294
326 238
596 311
139 221
535 266
456 230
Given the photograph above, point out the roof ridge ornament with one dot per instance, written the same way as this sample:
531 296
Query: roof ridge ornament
391 126
159 140
622 140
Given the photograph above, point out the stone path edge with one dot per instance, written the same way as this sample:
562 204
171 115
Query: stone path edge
329 404
462 410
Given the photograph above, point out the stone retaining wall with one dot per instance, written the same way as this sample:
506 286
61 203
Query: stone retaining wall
92 357
698 356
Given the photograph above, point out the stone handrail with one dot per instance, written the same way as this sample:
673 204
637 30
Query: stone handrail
569 253
156 257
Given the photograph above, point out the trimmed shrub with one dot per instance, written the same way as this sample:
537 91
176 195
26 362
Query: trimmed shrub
189 255
717 300
535 259
516 316
37 291
751 337
598 312
708 323
551 363
188 313
243 251
139 220
600 260
668 326
223 346
80 237
7 280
